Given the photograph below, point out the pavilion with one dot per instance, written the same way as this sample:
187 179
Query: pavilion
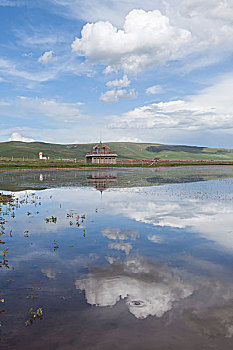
101 155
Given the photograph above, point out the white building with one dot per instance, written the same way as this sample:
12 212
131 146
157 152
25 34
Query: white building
41 156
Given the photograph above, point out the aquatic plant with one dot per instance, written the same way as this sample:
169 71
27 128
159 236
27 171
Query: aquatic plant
56 245
38 314
52 219
4 262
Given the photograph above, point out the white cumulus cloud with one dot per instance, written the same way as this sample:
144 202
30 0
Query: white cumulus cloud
146 40
210 23
209 110
47 57
17 137
118 94
124 82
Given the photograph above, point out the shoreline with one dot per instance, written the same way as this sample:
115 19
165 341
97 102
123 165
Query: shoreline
22 167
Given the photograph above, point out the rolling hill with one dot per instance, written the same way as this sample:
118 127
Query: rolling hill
125 150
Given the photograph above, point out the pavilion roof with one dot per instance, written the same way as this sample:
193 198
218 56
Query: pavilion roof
100 145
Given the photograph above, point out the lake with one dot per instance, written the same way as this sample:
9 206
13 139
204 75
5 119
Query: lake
117 259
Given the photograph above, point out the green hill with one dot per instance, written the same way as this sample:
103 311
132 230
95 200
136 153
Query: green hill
125 150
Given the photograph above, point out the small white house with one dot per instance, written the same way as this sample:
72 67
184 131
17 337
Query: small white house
41 156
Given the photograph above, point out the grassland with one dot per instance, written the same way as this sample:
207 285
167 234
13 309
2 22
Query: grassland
125 150
20 155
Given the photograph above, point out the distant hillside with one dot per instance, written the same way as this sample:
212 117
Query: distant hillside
125 150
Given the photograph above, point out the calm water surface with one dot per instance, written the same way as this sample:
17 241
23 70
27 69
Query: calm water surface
123 259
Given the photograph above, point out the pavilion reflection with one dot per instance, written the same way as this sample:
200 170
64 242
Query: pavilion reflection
102 180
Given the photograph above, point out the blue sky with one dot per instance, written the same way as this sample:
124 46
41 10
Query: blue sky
75 71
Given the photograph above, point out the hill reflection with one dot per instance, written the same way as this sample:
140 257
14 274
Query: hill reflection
117 178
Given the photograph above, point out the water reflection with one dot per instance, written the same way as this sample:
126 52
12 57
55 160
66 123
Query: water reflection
156 261
115 233
217 322
49 272
210 311
151 289
120 236
155 239
211 217
160 208
148 288
102 179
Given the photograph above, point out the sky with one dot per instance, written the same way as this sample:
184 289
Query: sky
77 71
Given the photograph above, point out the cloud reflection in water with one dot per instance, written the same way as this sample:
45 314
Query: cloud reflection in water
148 288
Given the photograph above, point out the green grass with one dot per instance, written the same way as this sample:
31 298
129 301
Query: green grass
125 151
20 164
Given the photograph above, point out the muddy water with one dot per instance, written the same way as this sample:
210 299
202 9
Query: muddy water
111 260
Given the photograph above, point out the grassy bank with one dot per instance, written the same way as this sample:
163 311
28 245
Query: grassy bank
7 164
